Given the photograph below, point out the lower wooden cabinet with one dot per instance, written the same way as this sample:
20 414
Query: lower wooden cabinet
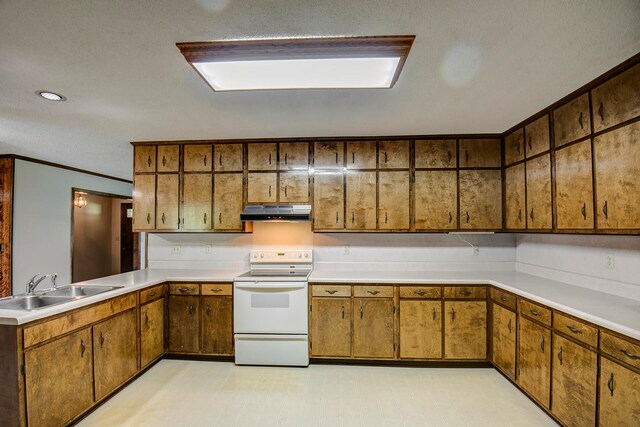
534 360
59 380
504 339
217 325
331 327
184 324
420 329
151 331
465 330
619 395
373 328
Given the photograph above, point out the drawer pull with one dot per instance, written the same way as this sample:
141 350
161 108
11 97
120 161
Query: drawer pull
529 143
204 218
269 158
468 217
453 314
583 211
386 217
190 308
531 214
509 325
146 318
183 290
560 355
360 312
101 340
610 384
216 290
269 187
285 190
466 156
331 291
449 156
605 210
450 217
208 310
629 354
574 330
542 344
205 160
581 121
163 217
465 293
336 157
433 311
419 292
353 217
386 158
534 312
520 215
285 158
518 149
343 311
148 218
503 298
353 157
373 292
149 158
83 348
220 217
336 217
152 294
164 161
601 112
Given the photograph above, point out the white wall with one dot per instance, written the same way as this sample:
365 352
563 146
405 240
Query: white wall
42 218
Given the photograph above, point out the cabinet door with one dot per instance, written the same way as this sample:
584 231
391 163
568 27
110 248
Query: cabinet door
294 187
262 156
504 340
480 199
184 324
328 201
144 158
537 136
144 202
435 154
361 201
328 155
616 100
571 121
217 325
294 155
168 158
197 158
151 331
115 352
480 153
619 395
436 200
262 188
617 164
228 158
465 329
514 146
393 188
420 329
373 328
514 188
196 208
59 380
331 327
361 154
534 360
539 193
575 370
227 201
167 199
574 186
393 154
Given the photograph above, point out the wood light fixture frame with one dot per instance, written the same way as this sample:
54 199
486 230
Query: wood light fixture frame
299 48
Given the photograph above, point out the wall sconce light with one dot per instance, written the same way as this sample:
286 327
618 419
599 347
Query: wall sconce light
79 201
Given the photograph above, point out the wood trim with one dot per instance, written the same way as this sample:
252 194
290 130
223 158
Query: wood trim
6 225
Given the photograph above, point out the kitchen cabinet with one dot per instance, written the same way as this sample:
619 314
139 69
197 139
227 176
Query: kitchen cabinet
539 193
59 379
436 200
574 377
503 333
144 202
115 352
144 158
294 187
435 154
197 190
217 325
294 155
330 320
168 158
393 202
534 360
574 186
361 200
361 154
167 202
572 121
151 331
514 189
197 158
537 136
619 400
514 147
228 158
328 155
373 329
262 156
262 188
465 330
617 169
227 201
184 324
616 100
328 201
420 329
480 199
393 154
480 153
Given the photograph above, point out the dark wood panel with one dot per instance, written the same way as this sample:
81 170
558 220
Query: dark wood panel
184 324
217 325
6 208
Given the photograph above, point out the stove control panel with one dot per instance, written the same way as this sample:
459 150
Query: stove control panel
285 257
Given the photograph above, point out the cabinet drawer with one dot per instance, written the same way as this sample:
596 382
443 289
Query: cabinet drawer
331 291
576 329
217 289
424 292
151 293
504 298
465 292
535 312
184 289
623 350
379 291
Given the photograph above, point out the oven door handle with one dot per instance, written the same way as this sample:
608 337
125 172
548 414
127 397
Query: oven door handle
271 286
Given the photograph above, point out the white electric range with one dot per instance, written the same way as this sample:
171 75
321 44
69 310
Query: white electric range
270 322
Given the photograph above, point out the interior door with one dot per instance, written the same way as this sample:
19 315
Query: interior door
126 238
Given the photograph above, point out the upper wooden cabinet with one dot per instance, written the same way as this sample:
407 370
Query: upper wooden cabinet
480 153
262 188
480 199
197 190
436 200
262 156
294 155
361 200
227 201
328 155
436 154
144 158
537 136
572 121
574 187
616 100
539 193
617 164
168 158
167 202
197 158
361 154
393 202
294 187
328 201
393 155
228 158
144 202
514 147
515 203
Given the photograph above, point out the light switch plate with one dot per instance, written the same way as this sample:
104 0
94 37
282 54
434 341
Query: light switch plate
176 250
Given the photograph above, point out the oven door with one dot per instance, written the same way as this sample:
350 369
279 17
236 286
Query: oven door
270 308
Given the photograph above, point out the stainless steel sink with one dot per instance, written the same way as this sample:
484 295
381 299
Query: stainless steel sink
47 298
76 291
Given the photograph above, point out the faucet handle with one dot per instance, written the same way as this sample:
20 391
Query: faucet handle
54 277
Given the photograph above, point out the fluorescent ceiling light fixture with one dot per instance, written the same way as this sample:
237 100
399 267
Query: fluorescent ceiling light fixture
314 63
51 96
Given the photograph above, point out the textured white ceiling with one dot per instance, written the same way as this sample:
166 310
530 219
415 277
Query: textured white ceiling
476 66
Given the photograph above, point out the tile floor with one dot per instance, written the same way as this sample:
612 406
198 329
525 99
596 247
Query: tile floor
192 393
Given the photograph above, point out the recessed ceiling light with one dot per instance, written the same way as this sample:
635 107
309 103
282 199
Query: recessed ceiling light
312 63
51 96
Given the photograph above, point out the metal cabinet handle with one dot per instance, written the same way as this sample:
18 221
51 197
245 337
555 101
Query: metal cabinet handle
163 217
449 156
285 158
450 217
353 157
509 325
331 291
148 218
336 157
584 210
361 312
466 156
468 217
183 290
164 161
269 191
101 339
285 190
542 344
220 217
373 292
216 290
204 218
503 298
83 348
343 311
465 293
520 215
610 384
152 293
453 314
149 159
146 318
353 217
269 158
629 354
529 143
581 121
419 292
386 158
386 217
220 160
601 112
574 330
518 149
531 214
433 312
205 160
560 355
336 217
208 310
190 308
605 210
534 312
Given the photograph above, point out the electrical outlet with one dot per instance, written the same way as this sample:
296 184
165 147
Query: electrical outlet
347 249
209 249
611 262
176 250
476 251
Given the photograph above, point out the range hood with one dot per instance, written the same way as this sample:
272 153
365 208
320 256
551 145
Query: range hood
276 212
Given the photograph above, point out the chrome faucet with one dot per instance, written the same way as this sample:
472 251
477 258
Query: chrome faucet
33 283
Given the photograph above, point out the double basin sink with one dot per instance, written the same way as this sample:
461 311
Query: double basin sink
47 298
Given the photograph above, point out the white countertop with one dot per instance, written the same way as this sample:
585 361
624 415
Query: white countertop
613 312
